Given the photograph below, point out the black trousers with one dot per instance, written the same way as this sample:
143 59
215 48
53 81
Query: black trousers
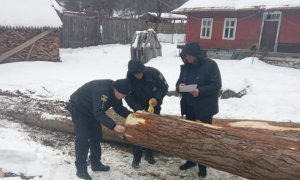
138 152
88 132
190 115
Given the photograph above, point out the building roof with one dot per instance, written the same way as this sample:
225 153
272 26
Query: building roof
233 5
19 14
164 16
57 6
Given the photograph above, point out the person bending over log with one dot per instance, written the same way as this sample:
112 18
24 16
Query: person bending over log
88 106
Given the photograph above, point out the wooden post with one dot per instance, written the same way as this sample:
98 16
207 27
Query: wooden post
173 30
1 173
247 154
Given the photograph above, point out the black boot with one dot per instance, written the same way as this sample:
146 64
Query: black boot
150 159
202 171
99 167
83 175
187 165
135 163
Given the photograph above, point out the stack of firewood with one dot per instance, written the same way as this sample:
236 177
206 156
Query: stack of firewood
45 49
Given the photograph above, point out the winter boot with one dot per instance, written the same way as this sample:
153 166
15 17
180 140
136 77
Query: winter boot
150 159
202 171
187 165
135 163
99 167
83 175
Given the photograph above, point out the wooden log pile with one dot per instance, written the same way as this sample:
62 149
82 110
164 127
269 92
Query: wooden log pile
248 154
45 49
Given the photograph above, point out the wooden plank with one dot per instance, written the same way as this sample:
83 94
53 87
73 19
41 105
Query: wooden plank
24 45
30 51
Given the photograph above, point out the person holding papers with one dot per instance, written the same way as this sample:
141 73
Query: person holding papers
199 84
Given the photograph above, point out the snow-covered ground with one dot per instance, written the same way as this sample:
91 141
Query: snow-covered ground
19 154
274 94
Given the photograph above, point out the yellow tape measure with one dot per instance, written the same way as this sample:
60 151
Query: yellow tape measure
151 108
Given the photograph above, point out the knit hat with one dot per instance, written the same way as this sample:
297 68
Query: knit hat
123 86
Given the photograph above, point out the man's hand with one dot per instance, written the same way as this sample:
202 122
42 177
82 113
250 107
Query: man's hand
153 101
195 93
120 129
182 84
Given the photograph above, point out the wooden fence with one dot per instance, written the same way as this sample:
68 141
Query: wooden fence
121 30
81 31
169 28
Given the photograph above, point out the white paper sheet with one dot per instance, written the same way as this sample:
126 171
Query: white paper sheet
188 88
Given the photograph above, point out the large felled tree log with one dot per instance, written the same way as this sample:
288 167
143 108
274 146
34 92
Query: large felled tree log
247 154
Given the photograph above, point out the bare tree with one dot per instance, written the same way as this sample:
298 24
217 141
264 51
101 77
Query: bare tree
160 6
124 8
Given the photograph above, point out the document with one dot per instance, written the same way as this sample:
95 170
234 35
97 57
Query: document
188 88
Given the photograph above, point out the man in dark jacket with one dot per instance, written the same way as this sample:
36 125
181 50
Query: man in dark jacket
88 106
147 84
201 103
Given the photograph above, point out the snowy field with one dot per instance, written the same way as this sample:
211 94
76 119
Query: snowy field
274 94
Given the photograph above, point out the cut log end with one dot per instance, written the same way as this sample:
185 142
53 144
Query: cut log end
133 120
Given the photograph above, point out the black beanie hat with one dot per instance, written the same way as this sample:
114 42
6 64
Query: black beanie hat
123 86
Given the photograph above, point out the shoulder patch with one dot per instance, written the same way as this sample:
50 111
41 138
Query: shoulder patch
104 98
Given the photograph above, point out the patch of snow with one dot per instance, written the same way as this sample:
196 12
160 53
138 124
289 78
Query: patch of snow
47 116
28 14
171 38
236 4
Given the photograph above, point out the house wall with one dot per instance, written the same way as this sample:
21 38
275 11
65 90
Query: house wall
289 35
247 32
43 49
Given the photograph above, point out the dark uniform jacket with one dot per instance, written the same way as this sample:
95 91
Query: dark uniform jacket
207 76
95 98
153 85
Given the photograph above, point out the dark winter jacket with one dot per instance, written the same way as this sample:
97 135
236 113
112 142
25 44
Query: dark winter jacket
206 75
95 98
152 85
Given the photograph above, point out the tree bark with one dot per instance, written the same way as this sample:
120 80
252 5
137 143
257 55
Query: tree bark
247 154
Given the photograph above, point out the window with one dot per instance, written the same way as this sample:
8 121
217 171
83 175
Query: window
206 28
229 28
272 16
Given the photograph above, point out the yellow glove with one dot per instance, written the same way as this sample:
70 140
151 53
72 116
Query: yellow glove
151 108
